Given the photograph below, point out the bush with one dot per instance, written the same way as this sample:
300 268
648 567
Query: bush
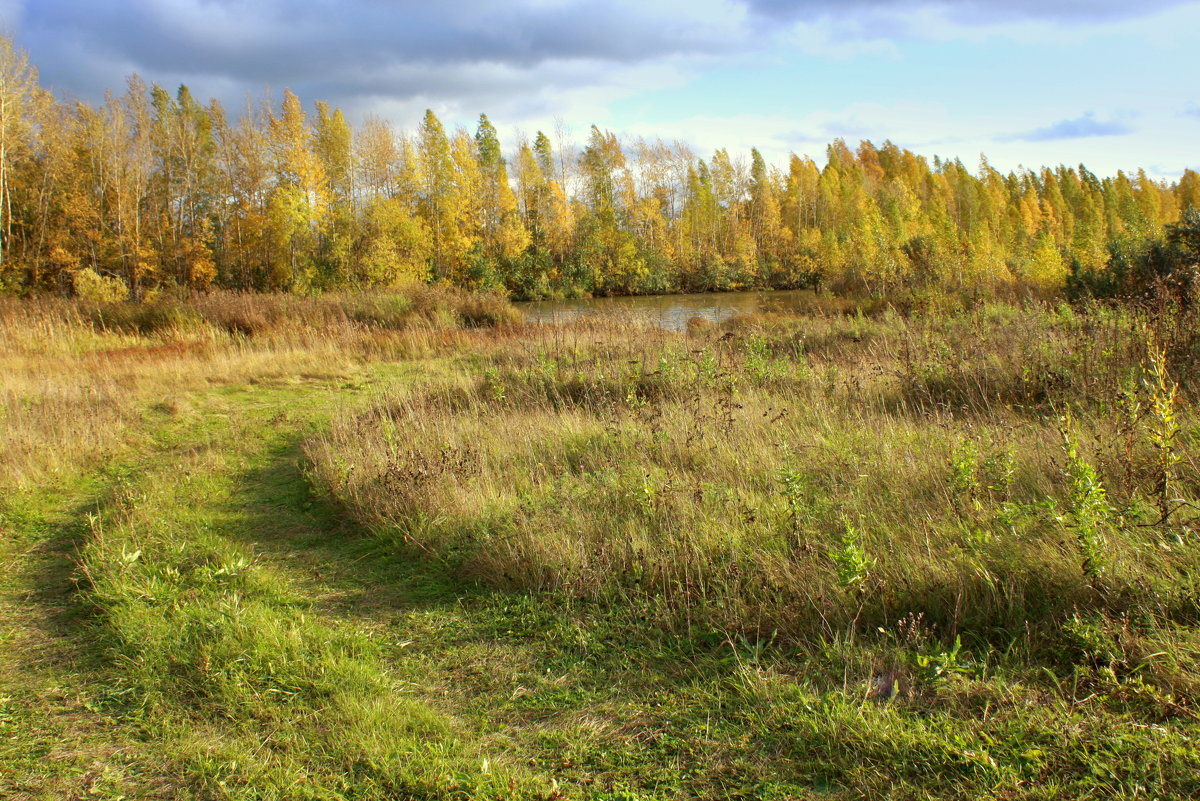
90 285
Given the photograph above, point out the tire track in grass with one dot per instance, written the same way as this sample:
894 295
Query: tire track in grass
225 658
57 739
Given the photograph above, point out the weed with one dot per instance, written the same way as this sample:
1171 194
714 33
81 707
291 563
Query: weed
494 387
850 560
793 485
1088 511
1163 397
937 666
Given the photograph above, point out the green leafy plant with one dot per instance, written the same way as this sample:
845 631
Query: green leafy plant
792 484
759 365
1088 511
964 470
937 666
495 387
850 560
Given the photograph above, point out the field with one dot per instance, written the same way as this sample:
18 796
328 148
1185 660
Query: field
404 546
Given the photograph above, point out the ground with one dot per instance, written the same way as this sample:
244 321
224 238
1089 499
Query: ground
203 603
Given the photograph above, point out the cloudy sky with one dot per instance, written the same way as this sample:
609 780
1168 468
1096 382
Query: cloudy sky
1110 83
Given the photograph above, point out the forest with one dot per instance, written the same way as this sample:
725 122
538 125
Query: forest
154 190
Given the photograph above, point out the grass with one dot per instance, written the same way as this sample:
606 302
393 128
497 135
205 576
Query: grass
909 532
847 556
83 375
150 653
211 636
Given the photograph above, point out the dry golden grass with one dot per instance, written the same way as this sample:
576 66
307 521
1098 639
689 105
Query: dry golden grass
74 376
799 477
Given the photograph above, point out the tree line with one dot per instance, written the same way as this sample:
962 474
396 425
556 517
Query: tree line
154 189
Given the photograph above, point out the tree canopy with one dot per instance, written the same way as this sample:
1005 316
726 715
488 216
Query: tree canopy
154 189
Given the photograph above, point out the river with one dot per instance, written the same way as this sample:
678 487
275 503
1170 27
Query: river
671 312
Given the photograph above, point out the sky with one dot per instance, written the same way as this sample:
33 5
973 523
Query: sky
1113 84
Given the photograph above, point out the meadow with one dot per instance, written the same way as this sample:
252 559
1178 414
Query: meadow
406 546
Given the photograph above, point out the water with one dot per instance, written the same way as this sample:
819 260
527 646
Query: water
671 312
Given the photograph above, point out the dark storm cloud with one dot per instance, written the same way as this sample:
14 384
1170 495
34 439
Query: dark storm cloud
346 48
966 11
520 54
1081 127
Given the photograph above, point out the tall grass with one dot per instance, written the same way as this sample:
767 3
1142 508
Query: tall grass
237 683
75 374
805 479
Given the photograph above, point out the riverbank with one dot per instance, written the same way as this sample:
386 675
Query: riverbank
675 312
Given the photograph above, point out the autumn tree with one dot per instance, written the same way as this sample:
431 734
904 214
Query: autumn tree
298 199
442 205
184 149
152 189
504 236
332 144
18 82
608 260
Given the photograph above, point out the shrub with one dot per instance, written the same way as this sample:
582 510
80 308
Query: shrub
90 285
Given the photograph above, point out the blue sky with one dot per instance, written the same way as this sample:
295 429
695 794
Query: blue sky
1109 83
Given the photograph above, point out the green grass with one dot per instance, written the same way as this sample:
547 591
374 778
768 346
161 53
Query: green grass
214 641
55 741
798 559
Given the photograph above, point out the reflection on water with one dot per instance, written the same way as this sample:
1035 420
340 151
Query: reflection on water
671 312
